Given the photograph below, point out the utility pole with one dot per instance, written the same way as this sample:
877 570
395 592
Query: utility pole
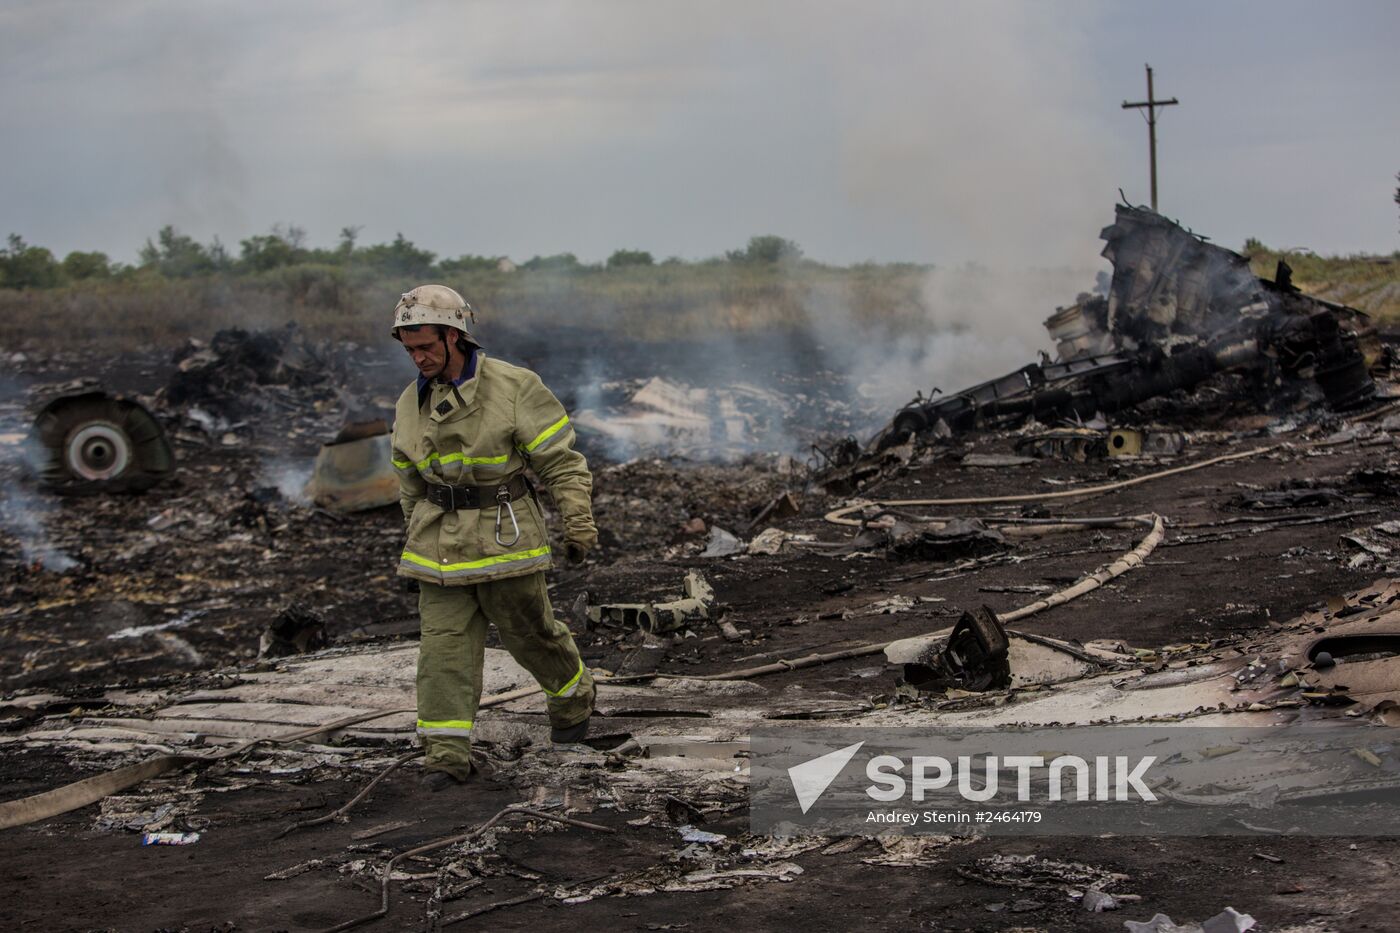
1152 103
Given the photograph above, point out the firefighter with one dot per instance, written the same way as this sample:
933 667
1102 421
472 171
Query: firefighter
464 432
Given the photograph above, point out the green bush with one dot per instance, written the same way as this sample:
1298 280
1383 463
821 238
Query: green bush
25 266
559 262
469 263
399 258
630 257
177 256
80 267
766 249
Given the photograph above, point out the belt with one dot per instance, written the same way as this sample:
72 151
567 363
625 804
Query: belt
456 498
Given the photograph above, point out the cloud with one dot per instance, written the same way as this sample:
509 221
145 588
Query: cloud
899 130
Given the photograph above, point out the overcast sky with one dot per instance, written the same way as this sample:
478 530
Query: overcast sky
929 131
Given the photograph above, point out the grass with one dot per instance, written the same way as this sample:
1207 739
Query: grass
641 303
644 303
1369 283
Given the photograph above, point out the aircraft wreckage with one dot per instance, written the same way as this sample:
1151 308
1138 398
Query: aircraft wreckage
1179 311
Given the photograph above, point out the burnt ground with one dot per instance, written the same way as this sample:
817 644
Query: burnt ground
223 563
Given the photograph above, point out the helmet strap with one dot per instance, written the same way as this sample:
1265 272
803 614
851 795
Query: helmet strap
447 353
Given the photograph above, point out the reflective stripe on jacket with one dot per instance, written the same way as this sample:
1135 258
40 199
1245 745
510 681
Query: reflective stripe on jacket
482 433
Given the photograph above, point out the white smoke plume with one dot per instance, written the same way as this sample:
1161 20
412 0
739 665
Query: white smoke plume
288 477
24 518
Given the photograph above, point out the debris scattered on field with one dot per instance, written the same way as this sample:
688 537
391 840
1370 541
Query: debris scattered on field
908 851
145 814
691 834
784 505
296 630
300 868
973 658
238 372
773 540
1096 901
355 471
1034 871
1227 921
169 839
697 605
996 460
721 544
690 421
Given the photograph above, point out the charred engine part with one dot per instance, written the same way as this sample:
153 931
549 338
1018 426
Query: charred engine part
697 605
88 442
974 657
355 471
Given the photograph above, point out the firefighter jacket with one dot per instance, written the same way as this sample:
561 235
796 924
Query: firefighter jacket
483 433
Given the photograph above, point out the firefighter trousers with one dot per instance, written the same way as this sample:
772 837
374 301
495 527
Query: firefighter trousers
452 650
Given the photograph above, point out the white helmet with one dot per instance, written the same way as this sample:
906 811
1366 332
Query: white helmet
432 304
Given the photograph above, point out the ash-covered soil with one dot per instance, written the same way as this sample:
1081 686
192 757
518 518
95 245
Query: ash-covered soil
184 578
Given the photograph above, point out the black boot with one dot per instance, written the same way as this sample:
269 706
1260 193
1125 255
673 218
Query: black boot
434 781
569 735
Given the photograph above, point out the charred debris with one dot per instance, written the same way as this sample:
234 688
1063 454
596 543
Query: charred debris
1180 312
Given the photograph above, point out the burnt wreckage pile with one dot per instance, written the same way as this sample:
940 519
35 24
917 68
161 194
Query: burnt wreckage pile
1179 312
240 372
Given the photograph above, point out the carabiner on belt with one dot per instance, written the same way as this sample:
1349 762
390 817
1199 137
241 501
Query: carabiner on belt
503 502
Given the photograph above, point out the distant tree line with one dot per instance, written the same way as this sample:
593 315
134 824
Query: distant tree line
171 254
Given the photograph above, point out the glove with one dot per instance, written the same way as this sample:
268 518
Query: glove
576 551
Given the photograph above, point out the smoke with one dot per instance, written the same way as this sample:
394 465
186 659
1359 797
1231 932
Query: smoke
182 620
970 323
967 323
775 357
1103 281
288 477
22 517
972 142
